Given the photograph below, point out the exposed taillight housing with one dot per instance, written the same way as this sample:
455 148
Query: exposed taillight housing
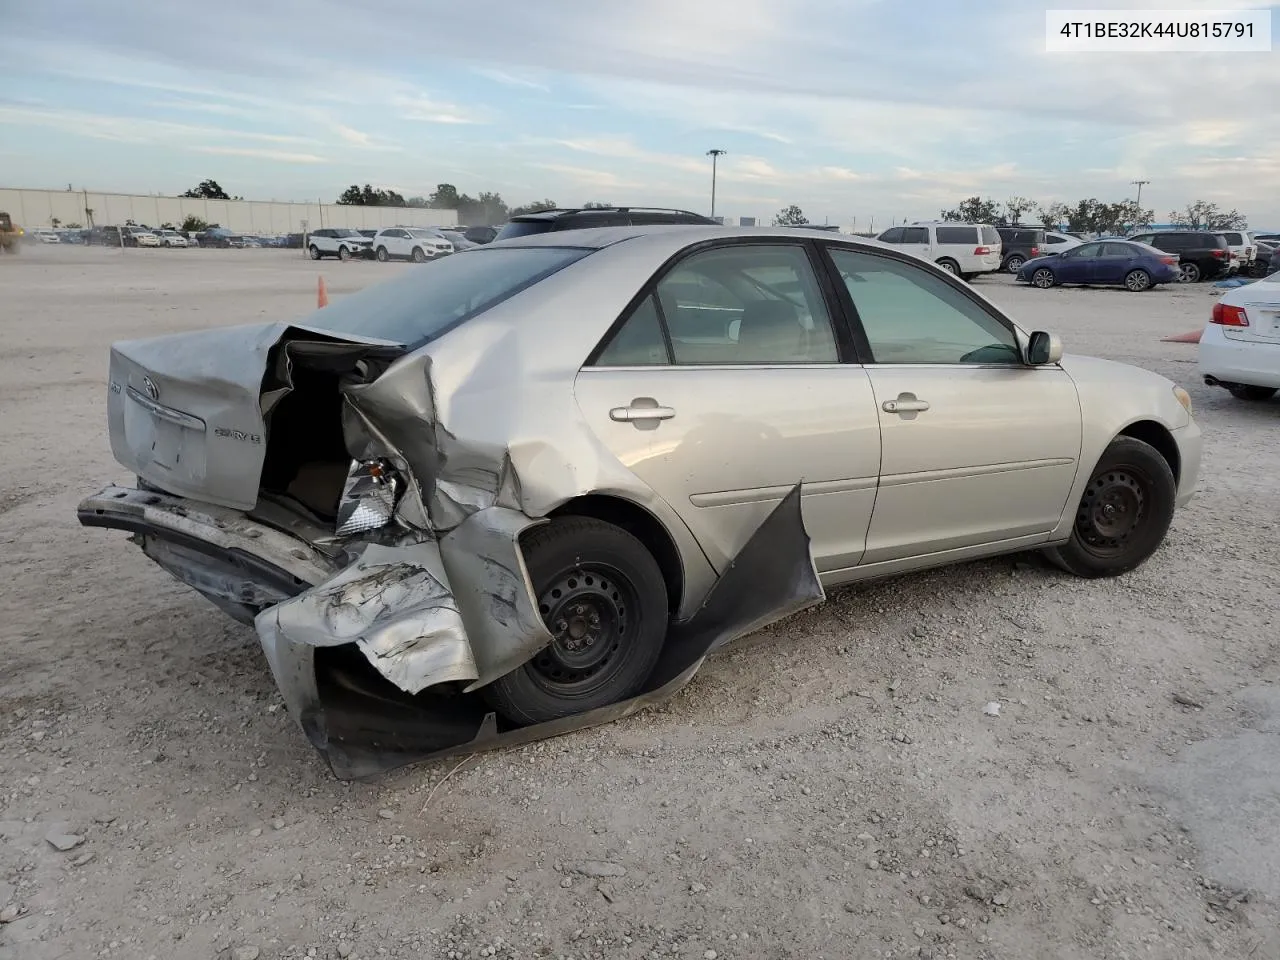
369 497
981 251
1228 315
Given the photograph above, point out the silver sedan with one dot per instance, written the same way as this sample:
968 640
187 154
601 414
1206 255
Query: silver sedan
530 486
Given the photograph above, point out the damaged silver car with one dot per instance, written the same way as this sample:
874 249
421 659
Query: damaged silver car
530 487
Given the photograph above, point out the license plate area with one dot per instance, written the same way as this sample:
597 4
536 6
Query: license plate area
162 437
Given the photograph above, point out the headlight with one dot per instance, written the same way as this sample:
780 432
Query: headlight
1183 398
369 497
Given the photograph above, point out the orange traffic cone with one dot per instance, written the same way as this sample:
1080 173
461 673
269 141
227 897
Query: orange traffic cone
322 295
1192 337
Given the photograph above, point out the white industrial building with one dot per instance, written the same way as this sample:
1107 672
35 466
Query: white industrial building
37 209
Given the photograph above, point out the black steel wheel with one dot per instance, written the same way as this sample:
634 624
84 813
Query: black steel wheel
604 601
1123 514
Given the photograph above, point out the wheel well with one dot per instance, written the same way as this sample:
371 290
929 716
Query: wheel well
642 525
1150 432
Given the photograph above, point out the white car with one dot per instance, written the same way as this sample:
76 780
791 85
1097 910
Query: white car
341 242
965 249
1055 242
145 238
1240 346
418 244
172 238
46 236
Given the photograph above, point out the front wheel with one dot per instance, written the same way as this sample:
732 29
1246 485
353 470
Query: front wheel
1242 391
419 256
1137 281
382 254
314 251
1124 514
1043 278
344 253
603 599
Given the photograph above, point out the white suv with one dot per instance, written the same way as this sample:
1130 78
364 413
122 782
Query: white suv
410 243
965 249
341 242
1243 248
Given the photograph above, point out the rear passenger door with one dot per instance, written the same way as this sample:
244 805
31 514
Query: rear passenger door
725 384
1116 260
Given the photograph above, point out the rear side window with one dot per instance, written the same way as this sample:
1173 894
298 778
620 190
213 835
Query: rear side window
990 236
1173 241
967 235
1234 239
1217 241
915 235
432 299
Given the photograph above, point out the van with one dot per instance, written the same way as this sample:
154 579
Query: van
965 249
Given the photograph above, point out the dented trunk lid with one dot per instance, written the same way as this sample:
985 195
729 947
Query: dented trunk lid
187 412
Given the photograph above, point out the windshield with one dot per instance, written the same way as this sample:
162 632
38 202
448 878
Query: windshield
523 228
432 299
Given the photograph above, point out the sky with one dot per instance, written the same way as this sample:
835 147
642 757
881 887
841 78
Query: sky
860 111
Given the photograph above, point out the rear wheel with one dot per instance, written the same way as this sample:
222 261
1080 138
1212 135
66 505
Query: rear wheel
1190 273
1014 263
1124 514
1043 278
950 266
1253 394
314 251
603 599
1137 281
382 254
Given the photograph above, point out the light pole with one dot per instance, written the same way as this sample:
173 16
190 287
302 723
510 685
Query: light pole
715 155
1139 184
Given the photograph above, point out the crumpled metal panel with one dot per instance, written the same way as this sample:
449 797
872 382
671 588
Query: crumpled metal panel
395 604
364 726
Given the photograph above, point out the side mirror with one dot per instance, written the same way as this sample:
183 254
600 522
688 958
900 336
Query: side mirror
1043 348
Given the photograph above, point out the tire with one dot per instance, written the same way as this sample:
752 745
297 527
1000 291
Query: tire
314 251
950 266
1043 278
344 253
1137 281
1190 273
967 277
419 256
382 255
1124 514
1242 391
592 580
1014 263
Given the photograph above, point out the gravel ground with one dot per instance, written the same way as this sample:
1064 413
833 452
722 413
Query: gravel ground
830 787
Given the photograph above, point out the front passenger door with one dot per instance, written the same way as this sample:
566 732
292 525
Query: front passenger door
978 448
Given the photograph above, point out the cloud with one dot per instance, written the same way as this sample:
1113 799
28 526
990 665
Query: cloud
277 156
509 80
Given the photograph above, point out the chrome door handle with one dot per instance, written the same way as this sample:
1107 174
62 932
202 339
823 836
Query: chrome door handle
641 408
904 405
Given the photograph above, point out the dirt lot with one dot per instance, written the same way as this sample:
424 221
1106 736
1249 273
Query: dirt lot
828 788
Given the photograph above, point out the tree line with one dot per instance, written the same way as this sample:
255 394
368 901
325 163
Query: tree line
487 208
1091 215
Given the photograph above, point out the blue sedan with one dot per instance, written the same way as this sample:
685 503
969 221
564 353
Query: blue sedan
1134 266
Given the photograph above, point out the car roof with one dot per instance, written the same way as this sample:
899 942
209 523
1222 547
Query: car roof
560 212
674 236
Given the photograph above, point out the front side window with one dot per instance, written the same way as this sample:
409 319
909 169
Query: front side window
892 235
741 304
910 315
1086 251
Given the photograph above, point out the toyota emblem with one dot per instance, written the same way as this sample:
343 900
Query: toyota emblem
149 385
